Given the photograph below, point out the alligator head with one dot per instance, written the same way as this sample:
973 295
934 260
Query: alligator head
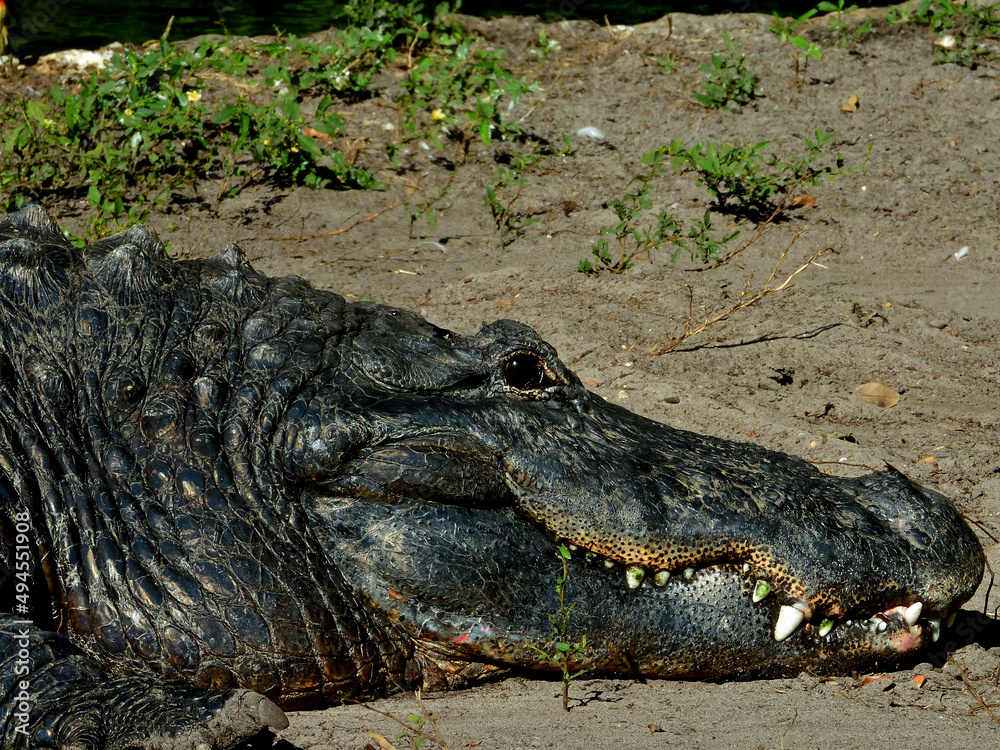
690 555
244 480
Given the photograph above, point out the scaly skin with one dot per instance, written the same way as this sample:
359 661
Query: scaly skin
213 482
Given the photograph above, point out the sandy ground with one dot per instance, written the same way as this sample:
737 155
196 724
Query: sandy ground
889 302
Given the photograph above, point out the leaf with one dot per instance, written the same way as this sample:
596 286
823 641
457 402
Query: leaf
383 743
852 104
878 394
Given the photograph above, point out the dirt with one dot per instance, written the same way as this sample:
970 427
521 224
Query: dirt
891 301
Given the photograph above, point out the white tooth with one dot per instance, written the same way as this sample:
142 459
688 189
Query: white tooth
609 564
573 548
912 613
789 619
661 578
882 626
634 575
761 590
746 567
950 619
935 624
825 627
689 573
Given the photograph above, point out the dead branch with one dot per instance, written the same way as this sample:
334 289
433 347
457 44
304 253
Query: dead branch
748 301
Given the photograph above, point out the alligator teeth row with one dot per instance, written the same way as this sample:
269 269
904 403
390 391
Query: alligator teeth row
634 575
790 617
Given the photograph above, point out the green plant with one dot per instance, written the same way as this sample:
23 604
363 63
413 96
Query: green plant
743 176
965 30
508 183
546 46
566 651
668 63
138 132
729 80
637 238
784 28
418 728
839 26
460 90
427 209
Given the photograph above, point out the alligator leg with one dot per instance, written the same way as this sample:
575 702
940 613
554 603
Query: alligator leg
54 695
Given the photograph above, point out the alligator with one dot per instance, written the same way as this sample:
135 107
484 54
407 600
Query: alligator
223 495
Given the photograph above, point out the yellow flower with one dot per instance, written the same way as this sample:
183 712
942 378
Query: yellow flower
194 96
48 123
294 149
438 114
128 112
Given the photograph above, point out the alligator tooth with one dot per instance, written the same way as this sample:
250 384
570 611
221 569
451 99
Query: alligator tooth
825 627
689 573
789 619
863 623
634 575
590 556
950 619
935 625
882 626
761 590
746 567
912 613
661 577
609 564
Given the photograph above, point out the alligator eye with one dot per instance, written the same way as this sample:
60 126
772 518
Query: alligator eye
525 372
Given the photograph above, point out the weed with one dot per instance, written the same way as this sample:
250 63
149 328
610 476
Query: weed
546 46
508 183
418 728
744 181
637 240
839 26
138 132
729 80
153 123
669 64
464 89
428 209
967 31
566 650
784 30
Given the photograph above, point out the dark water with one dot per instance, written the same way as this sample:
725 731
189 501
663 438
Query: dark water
39 26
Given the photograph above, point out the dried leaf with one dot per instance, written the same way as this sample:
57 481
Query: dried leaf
920 680
383 743
852 103
926 459
878 394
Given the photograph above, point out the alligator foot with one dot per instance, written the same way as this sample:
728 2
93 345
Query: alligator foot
138 713
57 696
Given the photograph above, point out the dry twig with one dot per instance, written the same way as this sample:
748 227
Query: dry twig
747 301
